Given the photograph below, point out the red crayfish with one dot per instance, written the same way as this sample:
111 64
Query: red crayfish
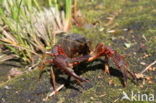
74 49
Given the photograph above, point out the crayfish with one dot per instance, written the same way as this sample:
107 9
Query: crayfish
73 49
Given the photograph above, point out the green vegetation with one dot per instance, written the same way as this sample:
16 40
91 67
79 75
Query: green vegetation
28 29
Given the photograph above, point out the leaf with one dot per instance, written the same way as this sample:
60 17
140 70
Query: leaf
127 45
142 63
4 57
139 75
15 72
101 29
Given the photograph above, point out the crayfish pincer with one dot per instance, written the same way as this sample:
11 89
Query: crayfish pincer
74 49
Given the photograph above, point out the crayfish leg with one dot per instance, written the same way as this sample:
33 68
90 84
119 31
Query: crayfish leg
53 80
79 79
42 66
106 69
65 65
106 65
124 78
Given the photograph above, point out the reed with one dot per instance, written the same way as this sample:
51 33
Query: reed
29 29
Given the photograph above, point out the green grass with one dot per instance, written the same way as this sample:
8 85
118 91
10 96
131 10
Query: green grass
29 29
138 16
